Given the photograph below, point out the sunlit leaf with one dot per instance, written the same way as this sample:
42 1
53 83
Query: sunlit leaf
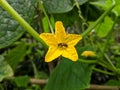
45 24
5 69
104 28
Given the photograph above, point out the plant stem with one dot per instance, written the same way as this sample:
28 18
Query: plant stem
109 64
105 65
43 9
36 74
99 20
79 11
102 71
87 61
4 4
112 65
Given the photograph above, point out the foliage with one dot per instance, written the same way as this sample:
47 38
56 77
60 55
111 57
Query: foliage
9 28
70 77
5 70
22 54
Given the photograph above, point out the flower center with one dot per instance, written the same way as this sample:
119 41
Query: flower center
62 45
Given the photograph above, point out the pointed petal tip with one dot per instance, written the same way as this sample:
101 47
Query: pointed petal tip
58 22
80 37
48 60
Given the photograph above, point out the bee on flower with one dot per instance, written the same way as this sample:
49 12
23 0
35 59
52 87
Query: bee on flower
60 43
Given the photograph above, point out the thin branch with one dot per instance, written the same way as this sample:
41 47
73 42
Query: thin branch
38 81
102 87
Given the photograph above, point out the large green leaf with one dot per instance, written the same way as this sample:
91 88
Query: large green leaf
5 69
10 30
60 6
70 75
16 55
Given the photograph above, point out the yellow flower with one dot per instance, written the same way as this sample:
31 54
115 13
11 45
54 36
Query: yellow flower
88 54
60 43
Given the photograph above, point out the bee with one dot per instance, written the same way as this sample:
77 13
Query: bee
62 45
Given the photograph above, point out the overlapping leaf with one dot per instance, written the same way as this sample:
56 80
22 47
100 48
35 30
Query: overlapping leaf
60 6
105 27
5 69
16 55
10 30
105 4
70 76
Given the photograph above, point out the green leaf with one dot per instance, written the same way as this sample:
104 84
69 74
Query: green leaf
16 55
113 83
70 75
22 81
105 4
82 1
5 69
42 75
10 30
99 3
67 18
58 6
104 28
45 25
52 20
117 9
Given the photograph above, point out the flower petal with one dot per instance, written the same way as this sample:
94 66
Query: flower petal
49 39
60 31
88 54
72 39
70 53
52 54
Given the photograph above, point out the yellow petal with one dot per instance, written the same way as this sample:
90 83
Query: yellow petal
60 31
70 53
52 54
72 39
49 39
